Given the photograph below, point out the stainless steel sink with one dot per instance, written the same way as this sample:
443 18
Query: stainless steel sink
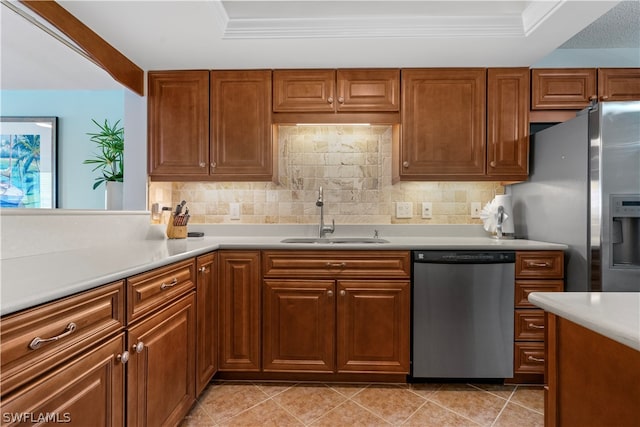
333 240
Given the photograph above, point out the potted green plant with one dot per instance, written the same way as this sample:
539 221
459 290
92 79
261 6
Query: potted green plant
109 160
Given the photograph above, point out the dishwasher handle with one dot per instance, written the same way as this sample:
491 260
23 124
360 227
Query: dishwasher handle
464 257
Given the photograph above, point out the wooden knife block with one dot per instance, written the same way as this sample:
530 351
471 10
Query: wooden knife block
174 231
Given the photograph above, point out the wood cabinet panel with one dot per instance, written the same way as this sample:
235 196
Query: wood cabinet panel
540 264
148 291
619 84
304 90
207 320
178 123
508 123
240 312
241 142
299 326
368 264
562 88
374 323
88 390
161 375
525 287
95 315
529 325
443 124
580 368
529 358
361 90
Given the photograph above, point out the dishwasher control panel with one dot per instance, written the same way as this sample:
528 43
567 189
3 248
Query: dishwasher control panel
464 257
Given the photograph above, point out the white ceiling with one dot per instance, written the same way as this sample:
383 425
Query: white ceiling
239 34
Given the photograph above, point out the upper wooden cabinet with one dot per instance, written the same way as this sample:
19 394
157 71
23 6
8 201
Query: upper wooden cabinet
344 90
508 123
575 88
443 124
178 124
619 84
210 126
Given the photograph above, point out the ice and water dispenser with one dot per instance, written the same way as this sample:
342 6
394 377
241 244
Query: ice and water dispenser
625 230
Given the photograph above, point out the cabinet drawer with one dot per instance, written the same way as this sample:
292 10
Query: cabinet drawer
540 265
529 358
337 264
148 291
529 325
525 287
75 323
562 88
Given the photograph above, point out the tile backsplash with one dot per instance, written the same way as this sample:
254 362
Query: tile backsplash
353 165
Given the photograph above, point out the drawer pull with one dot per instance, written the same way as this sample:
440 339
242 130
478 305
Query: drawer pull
336 264
203 269
538 264
534 359
37 341
169 285
138 347
123 358
534 326
329 293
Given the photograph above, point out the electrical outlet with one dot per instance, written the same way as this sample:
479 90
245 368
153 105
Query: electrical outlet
476 207
234 210
427 210
404 210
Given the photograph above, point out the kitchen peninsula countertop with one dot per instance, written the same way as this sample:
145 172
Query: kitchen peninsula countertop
615 315
31 280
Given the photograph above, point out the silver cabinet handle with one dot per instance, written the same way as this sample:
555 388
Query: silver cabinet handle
37 342
202 269
539 264
534 326
336 265
330 100
203 164
341 100
138 347
492 163
214 165
534 359
329 293
343 293
405 164
123 358
169 285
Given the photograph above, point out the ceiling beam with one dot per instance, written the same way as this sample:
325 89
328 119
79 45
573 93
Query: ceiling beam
102 53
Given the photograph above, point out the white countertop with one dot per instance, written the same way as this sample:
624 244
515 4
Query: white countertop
615 315
35 279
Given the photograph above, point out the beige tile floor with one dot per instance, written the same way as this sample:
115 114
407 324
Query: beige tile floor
308 404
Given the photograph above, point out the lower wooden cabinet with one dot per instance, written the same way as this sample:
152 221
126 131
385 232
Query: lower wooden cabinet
161 370
239 305
87 390
336 312
207 320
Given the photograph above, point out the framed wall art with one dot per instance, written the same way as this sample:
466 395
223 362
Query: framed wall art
28 162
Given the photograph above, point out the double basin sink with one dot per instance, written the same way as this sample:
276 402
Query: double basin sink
334 240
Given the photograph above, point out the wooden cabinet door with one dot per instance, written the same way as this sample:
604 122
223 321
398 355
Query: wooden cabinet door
374 323
619 84
241 142
178 124
85 391
239 305
299 326
562 88
161 370
207 322
443 124
304 91
508 123
362 90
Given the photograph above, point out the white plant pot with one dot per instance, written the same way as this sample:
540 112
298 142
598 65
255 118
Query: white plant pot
113 195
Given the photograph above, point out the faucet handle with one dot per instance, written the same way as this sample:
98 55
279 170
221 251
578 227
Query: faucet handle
333 226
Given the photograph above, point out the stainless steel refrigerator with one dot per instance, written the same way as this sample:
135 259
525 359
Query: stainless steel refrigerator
584 191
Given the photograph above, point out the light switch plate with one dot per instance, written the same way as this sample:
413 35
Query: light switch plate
234 210
404 210
427 210
476 207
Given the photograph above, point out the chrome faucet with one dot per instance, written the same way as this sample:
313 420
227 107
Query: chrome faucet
323 229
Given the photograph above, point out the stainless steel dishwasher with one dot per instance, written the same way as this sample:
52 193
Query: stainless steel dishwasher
463 304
